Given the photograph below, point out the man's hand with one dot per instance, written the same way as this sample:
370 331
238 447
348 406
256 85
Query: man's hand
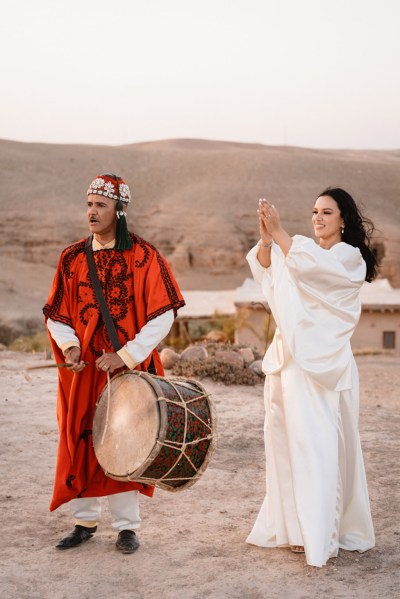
109 362
73 359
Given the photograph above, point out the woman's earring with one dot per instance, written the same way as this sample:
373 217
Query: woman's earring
342 229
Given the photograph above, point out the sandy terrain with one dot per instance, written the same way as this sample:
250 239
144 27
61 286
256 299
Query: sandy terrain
192 543
195 200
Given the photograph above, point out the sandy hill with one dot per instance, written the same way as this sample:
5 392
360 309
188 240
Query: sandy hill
195 199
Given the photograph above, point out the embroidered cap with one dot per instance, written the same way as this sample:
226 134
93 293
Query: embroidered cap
106 185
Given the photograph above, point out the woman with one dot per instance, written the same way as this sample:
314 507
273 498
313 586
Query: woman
317 497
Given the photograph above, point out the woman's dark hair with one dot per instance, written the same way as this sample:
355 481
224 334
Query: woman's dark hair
357 229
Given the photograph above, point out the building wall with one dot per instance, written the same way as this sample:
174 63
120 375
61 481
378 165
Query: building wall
372 325
254 325
368 334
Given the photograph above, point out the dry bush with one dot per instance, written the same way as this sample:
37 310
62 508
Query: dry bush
214 346
23 328
7 333
219 371
38 342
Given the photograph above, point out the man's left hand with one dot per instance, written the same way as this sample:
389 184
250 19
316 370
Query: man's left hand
110 362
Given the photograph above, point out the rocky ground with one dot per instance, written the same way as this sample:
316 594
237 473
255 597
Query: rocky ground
192 543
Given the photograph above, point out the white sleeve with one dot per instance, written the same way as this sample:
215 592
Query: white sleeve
63 334
134 352
258 271
147 339
316 305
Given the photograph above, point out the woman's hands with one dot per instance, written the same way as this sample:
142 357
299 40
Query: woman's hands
269 220
271 229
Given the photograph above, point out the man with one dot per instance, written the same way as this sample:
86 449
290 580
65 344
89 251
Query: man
142 297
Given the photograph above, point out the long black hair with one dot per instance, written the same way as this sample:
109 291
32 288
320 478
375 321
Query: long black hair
357 228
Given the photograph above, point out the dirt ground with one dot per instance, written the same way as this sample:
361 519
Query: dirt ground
192 543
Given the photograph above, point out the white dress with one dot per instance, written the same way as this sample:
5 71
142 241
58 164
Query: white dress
317 492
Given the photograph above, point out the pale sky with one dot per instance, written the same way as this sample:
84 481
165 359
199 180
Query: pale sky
312 73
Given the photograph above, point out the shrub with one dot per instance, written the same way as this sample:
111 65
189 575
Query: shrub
31 343
219 371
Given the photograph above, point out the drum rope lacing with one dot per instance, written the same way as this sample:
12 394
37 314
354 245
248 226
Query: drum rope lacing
170 444
183 445
108 407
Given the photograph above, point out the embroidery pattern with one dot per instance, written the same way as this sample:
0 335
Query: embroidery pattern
124 192
101 187
85 434
69 480
175 302
69 255
145 248
117 287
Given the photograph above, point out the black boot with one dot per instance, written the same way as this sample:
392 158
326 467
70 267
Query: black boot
127 541
76 537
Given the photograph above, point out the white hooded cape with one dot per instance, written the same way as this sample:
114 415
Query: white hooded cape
317 493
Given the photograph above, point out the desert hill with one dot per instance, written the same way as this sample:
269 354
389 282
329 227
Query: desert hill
194 199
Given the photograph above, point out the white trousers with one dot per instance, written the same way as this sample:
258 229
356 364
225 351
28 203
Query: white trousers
124 508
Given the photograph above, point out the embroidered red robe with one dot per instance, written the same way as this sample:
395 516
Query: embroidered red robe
138 285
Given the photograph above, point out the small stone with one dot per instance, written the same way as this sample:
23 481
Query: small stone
230 357
194 353
169 358
257 367
247 354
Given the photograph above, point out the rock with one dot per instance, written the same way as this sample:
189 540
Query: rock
218 336
230 357
179 260
257 367
169 357
194 353
247 354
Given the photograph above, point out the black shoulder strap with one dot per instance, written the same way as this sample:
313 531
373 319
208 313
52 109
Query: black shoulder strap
108 321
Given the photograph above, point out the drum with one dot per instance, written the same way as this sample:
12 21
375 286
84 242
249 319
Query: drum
154 430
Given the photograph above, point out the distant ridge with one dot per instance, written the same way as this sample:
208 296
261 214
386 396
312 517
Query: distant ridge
195 199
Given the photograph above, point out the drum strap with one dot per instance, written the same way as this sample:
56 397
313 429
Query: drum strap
108 321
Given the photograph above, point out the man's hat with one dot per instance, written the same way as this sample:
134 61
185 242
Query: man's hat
111 186
114 187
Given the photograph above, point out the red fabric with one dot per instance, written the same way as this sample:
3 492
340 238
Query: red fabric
138 285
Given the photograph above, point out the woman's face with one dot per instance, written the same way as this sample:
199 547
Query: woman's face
327 221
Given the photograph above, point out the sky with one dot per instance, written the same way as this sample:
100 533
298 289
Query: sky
310 73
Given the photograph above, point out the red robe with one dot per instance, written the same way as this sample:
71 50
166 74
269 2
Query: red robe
138 286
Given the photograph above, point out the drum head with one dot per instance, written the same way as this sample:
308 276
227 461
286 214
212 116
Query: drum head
124 443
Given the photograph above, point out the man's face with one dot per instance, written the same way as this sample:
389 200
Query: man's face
101 216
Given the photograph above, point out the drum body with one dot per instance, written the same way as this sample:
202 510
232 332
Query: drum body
154 430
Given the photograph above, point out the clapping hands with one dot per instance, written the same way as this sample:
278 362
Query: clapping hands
269 221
